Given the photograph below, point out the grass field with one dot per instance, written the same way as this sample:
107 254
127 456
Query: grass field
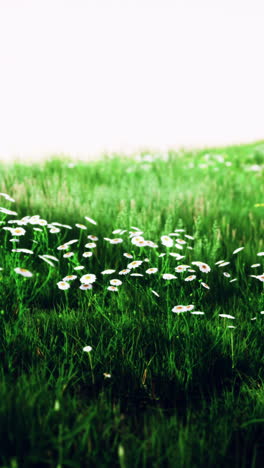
172 374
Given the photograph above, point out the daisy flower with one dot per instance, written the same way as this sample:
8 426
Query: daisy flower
190 278
87 254
62 225
46 260
112 288
23 250
116 231
72 241
255 265
6 211
107 376
54 230
189 237
128 255
167 241
135 264
107 272
260 254
42 222
80 226
168 276
180 241
87 349
115 282
189 307
68 254
223 264
93 238
63 285
238 250
151 270
176 255
226 274
204 267
260 277
90 245
181 268
69 278
86 286
197 312
117 240
23 272
205 285
149 243
63 247
136 274
13 240
226 316
90 220
162 255
124 272
136 239
220 261
179 308
231 281
88 278
18 231
51 257
141 243
178 246
179 230
79 267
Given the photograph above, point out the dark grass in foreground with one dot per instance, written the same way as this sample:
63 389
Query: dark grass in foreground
157 388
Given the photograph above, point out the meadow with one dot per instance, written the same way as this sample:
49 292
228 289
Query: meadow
132 311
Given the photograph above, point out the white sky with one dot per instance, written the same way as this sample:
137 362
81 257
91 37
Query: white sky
81 77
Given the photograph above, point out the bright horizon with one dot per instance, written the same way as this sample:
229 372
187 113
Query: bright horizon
83 77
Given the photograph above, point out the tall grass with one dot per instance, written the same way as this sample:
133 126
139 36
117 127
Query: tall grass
158 388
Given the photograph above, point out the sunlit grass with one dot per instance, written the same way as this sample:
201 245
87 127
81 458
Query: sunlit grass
132 311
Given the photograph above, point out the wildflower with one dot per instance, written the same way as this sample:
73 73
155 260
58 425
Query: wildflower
93 238
112 288
72 241
136 274
167 241
86 286
189 307
62 225
13 240
63 285
117 240
205 285
162 255
190 270
80 226
154 292
149 243
63 247
151 270
238 250
46 260
136 239
255 265
231 326
190 278
7 197
6 211
51 257
176 255
179 230
90 220
134 264
220 261
87 349
79 267
23 250
204 267
128 255
54 230
69 278
260 254
107 272
231 281
197 312
188 237
88 278
180 241
226 316
68 254
124 272
146 260
141 243
87 254
90 245
23 272
115 282
260 277
18 231
178 246
226 274
42 222
179 308
106 376
168 276
189 247
223 264
117 231
181 268
38 229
